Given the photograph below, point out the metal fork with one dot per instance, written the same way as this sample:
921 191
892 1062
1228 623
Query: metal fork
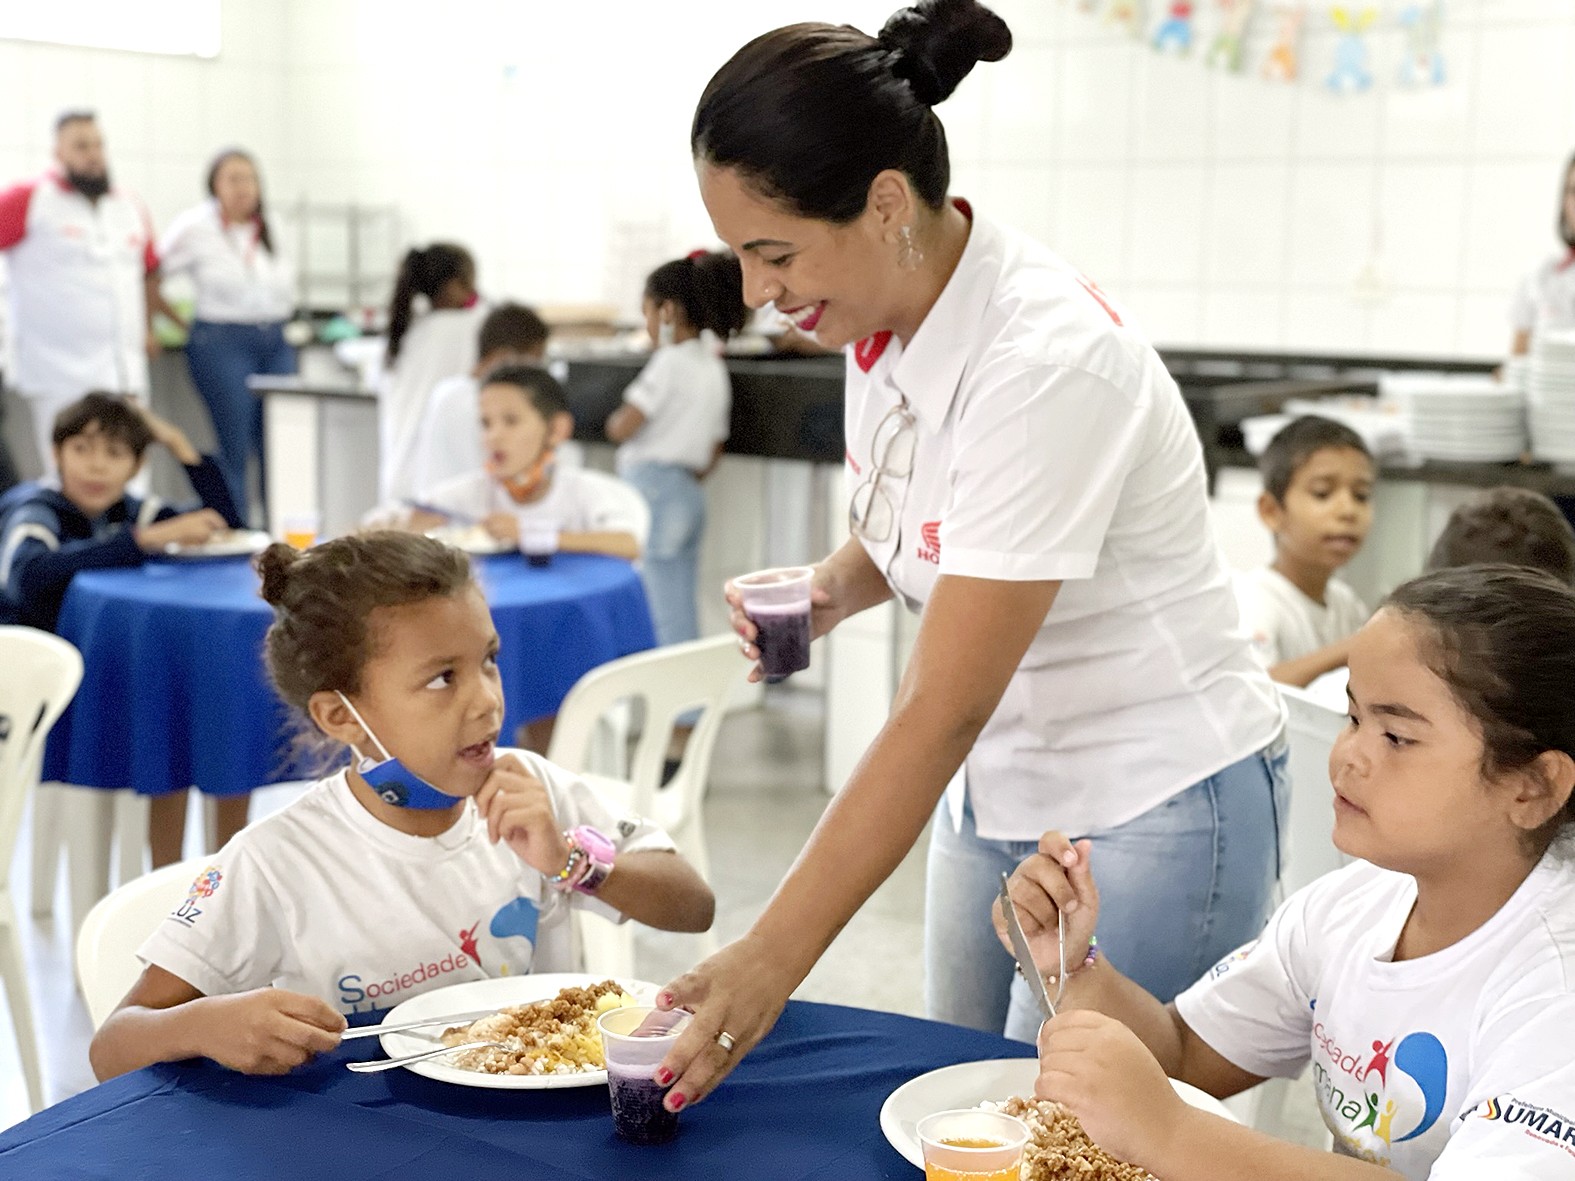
390 1063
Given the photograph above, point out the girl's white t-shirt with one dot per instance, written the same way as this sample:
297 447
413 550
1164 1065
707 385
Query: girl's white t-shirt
1545 298
1457 1065
1050 444
1285 624
441 343
578 500
687 399
322 898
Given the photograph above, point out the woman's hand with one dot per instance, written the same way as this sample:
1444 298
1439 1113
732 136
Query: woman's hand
1056 878
1098 1068
517 810
738 991
266 1031
826 611
195 528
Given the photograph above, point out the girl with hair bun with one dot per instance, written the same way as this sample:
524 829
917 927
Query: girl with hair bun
674 420
434 317
434 857
1024 473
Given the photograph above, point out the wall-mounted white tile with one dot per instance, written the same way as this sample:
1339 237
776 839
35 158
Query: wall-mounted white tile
1324 321
1165 315
1020 196
1484 325
1094 110
1171 119
1253 117
1327 125
1165 220
1522 101
1332 222
965 116
1242 318
256 31
1034 20
1090 220
1416 324
57 79
177 106
1510 217
1428 120
1246 224
1021 104
1424 213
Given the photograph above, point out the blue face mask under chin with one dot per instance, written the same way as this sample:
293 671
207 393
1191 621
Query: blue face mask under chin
393 782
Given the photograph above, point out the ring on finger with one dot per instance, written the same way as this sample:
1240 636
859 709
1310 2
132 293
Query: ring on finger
725 1040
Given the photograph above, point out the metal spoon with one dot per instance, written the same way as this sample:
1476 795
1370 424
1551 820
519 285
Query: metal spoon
390 1063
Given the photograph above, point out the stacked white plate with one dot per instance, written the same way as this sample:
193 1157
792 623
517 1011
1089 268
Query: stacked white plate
1461 418
1550 396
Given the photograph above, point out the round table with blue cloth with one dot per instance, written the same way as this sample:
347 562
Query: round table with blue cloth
174 692
804 1106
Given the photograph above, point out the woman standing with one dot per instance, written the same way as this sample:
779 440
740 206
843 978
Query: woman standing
1546 297
1025 474
245 293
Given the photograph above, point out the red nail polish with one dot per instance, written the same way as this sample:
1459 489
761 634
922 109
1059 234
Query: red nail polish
663 1077
664 1000
676 1102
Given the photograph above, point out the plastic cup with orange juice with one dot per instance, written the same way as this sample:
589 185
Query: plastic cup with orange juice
972 1145
300 530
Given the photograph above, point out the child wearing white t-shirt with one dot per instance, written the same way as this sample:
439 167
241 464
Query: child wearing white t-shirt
1545 299
1430 985
674 420
524 496
435 858
1317 501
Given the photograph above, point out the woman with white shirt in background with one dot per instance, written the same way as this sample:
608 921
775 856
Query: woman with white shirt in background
245 291
1546 297
1025 475
434 318
674 420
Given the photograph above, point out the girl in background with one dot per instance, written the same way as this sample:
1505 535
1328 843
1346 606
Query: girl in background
245 292
1546 297
674 420
434 317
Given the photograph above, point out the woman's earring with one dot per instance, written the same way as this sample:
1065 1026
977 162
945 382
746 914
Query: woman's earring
909 256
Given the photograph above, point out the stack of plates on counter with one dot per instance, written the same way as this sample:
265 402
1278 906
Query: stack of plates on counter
1461 418
1550 396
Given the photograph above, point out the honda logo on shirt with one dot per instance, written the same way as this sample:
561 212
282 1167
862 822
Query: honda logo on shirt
930 542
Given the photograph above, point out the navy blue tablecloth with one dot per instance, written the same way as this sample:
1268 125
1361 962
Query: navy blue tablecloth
803 1107
174 693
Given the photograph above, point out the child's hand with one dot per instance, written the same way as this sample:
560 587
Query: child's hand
168 434
268 1031
1099 1069
503 526
519 813
419 520
1057 876
186 529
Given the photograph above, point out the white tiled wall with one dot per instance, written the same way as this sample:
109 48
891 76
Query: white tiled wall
1223 210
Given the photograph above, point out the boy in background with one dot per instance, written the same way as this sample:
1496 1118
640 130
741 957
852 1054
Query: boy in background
1318 479
1509 526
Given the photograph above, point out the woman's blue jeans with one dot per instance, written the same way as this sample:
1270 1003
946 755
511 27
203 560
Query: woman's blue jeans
221 357
671 558
1180 887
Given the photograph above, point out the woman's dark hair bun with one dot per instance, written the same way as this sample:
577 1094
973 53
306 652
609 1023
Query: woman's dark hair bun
938 42
274 564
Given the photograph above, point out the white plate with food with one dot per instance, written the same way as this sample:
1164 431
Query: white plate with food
227 543
562 1049
473 539
993 1081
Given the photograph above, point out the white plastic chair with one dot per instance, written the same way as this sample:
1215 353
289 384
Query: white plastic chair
107 964
1310 853
671 682
41 673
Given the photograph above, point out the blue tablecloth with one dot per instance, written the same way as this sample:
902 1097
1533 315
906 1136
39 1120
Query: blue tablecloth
803 1106
174 693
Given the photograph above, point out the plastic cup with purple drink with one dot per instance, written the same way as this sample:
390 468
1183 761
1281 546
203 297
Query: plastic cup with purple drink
777 603
635 1039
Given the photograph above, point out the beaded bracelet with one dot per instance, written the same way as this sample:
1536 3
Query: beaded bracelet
566 875
1088 960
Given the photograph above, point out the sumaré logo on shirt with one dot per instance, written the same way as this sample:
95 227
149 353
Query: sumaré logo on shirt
201 889
1540 1123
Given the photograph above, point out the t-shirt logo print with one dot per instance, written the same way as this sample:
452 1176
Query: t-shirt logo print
1379 1096
202 888
930 542
1542 1124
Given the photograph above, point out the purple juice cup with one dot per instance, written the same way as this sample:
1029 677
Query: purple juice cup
634 1041
778 604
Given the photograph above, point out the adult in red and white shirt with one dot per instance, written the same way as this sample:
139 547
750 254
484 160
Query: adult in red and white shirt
81 258
1545 298
1025 475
